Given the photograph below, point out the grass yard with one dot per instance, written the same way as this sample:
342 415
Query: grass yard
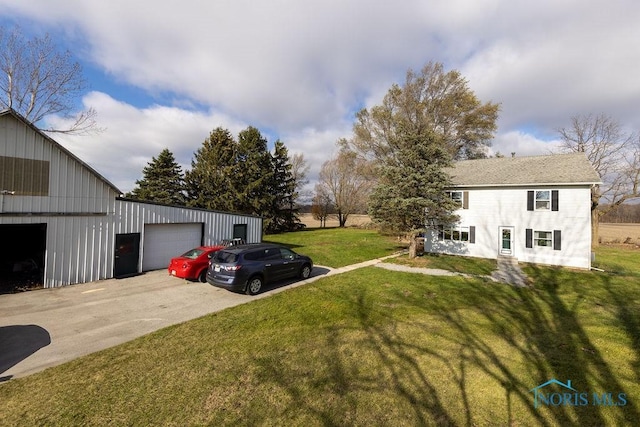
337 247
369 347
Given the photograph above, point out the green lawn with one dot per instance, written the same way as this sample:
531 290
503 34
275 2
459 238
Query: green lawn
337 247
369 347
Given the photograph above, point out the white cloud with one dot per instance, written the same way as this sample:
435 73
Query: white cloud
300 70
133 136
522 144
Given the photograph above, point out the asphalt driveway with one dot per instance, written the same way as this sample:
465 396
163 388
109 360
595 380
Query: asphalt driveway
44 328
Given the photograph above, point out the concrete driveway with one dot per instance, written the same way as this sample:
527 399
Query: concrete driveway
48 327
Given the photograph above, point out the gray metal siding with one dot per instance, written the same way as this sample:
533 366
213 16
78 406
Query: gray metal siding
81 248
218 225
72 187
83 215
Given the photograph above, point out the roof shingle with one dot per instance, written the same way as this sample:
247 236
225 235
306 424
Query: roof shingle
572 168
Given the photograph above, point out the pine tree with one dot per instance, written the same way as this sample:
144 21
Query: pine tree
411 189
210 182
283 215
162 181
253 173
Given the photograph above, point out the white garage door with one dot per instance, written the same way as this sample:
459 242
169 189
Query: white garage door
165 241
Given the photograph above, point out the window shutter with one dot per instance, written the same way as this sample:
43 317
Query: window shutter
556 240
465 200
529 238
472 234
530 196
554 200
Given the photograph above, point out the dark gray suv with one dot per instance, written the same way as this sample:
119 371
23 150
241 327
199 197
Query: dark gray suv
246 268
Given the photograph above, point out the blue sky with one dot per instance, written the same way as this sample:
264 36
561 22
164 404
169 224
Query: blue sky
164 74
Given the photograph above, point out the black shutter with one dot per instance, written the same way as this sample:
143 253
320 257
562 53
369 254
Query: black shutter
529 238
530 196
556 240
472 234
465 200
554 200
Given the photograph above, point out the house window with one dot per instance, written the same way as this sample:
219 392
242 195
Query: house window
543 200
456 196
543 238
455 234
460 198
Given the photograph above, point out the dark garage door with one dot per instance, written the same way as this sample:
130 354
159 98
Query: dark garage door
22 251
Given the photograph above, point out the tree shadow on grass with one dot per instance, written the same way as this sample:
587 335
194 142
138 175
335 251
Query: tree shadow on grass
541 328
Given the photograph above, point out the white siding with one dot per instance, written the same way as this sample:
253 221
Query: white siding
492 208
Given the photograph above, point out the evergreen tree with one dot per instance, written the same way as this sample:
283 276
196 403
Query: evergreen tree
210 182
162 181
282 215
253 173
411 190
417 131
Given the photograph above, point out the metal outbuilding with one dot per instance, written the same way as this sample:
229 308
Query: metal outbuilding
61 217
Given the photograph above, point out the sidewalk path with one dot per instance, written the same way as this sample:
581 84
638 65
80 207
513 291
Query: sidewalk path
508 272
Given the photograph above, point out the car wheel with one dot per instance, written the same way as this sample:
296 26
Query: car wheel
254 285
202 278
306 271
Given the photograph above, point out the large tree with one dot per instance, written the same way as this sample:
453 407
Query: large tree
37 80
410 193
162 181
412 137
347 179
431 103
614 154
210 182
253 173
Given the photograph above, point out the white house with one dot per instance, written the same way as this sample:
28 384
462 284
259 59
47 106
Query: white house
59 214
534 209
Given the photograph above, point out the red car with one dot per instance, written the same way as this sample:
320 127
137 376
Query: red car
193 264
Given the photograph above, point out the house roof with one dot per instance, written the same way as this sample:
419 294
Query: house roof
11 112
555 169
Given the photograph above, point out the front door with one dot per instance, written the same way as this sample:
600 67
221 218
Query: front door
506 241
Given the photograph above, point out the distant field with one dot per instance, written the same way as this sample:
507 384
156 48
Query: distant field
619 233
352 221
609 233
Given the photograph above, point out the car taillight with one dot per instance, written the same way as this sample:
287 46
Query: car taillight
232 267
184 265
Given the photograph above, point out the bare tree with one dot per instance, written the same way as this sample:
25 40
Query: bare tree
321 205
614 154
300 172
347 180
36 80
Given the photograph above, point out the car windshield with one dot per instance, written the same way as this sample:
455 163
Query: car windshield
193 253
224 257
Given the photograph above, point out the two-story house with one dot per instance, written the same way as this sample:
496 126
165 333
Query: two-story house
535 209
